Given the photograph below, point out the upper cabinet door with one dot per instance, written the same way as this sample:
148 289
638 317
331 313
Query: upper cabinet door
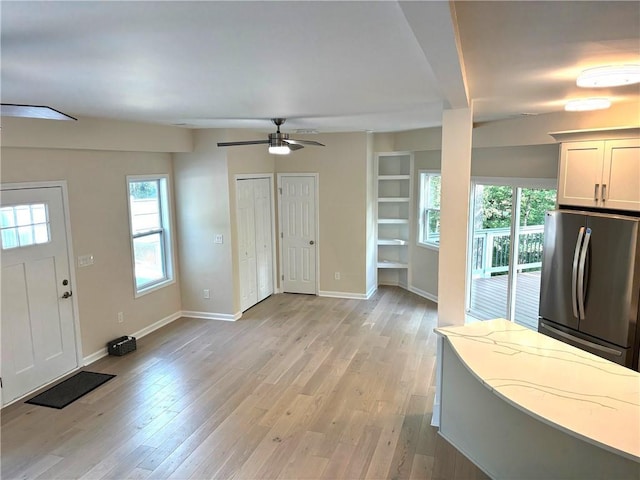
580 173
600 174
621 175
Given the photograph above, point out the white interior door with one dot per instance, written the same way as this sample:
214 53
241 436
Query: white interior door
247 244
263 237
255 240
38 327
298 228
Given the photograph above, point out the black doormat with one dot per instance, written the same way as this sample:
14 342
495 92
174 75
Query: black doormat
61 395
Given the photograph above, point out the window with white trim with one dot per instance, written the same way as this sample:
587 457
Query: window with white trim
429 209
150 224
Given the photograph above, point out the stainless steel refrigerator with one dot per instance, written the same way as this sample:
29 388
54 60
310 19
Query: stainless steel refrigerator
590 285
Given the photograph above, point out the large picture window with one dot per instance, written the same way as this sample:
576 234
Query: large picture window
150 232
429 211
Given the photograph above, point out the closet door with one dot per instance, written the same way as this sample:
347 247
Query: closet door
246 243
263 237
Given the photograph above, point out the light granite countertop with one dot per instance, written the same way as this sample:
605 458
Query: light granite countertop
570 389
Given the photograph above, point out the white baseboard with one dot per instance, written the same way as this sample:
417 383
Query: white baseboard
355 296
139 334
422 293
226 317
371 291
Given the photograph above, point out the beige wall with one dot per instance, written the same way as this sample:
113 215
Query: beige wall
530 130
530 161
342 241
99 226
246 160
95 134
202 211
94 157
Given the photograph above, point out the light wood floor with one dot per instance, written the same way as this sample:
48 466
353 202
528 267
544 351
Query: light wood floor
301 387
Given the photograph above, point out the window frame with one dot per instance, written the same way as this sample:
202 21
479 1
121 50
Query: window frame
165 231
422 208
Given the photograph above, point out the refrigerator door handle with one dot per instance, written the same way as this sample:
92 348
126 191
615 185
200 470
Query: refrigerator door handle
581 273
574 273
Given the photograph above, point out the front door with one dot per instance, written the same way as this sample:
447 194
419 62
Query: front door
298 233
38 327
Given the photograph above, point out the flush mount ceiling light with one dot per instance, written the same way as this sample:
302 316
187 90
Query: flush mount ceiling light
33 111
587 104
609 76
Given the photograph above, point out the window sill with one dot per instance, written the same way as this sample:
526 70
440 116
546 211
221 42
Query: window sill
153 288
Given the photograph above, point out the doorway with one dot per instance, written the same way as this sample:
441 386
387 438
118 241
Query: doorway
254 204
40 340
507 225
298 232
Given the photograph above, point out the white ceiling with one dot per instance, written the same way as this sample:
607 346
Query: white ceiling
330 66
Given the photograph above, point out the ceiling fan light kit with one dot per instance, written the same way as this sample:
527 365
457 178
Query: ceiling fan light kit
276 149
279 143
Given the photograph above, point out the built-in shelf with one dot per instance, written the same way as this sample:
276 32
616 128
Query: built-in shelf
393 199
394 188
392 241
394 177
397 221
391 264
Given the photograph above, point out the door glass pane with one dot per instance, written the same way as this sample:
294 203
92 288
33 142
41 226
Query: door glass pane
534 202
492 213
24 225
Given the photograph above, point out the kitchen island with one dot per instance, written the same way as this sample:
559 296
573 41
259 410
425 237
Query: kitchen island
522 405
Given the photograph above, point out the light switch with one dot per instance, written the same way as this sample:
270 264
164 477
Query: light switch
218 238
85 260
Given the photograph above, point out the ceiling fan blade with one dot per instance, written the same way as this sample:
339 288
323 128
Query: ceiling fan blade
304 142
293 146
246 142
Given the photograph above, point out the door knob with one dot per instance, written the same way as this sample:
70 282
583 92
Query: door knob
311 242
66 295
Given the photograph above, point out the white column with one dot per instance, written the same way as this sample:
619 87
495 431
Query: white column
457 127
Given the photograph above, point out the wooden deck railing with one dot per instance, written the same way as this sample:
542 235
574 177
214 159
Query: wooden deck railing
491 250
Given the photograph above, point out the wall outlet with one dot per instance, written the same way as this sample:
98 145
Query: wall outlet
120 317
336 275
206 294
218 238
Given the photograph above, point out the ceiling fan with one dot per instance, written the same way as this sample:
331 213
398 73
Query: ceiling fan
279 143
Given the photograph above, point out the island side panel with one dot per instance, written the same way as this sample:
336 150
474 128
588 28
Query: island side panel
506 443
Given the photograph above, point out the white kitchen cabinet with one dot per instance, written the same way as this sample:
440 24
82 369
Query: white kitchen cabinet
393 216
600 174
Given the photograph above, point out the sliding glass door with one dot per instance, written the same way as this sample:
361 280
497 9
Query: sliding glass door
506 249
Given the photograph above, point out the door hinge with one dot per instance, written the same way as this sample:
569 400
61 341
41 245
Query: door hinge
280 190
0 382
281 235
283 278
